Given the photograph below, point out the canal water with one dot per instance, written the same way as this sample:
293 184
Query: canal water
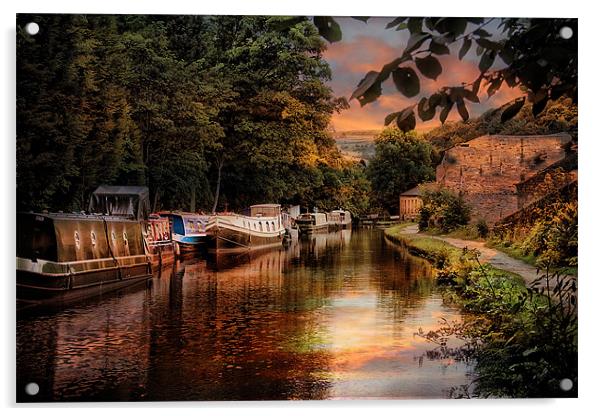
334 316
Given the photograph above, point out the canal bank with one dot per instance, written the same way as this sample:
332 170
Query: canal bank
523 337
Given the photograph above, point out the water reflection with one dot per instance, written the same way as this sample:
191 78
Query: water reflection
333 316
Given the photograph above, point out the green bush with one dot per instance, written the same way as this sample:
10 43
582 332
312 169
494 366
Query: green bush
482 228
443 209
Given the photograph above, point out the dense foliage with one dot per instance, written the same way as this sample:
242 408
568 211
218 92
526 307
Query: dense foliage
209 112
401 161
442 210
545 231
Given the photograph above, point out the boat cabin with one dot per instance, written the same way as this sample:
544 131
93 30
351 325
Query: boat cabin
265 210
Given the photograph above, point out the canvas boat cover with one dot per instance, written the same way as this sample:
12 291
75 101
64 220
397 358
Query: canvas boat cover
128 201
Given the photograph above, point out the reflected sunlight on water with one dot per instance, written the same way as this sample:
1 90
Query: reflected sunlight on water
333 316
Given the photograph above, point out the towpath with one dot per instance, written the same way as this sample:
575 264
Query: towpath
488 255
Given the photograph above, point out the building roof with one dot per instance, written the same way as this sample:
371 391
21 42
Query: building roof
412 192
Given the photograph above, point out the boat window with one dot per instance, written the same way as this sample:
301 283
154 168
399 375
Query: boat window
113 236
125 238
273 226
93 238
255 225
76 238
267 226
260 227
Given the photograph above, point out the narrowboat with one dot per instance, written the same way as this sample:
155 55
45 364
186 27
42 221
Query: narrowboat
189 231
65 257
231 233
340 218
160 244
312 222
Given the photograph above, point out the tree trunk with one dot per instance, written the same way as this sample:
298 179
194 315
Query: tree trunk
156 200
193 201
217 187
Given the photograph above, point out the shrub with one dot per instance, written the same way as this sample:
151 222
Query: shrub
443 209
482 228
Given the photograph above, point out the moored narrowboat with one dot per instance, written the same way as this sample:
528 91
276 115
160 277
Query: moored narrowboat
233 233
340 218
160 244
190 231
63 257
312 222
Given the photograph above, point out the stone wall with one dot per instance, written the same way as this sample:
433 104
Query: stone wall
486 170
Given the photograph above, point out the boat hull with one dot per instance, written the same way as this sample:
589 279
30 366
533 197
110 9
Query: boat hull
310 228
189 244
103 276
225 240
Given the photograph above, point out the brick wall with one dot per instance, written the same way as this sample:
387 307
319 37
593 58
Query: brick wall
486 170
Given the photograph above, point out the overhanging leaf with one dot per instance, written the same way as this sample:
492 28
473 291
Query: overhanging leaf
406 120
462 109
390 117
364 84
395 22
415 41
415 24
425 111
438 48
486 61
445 112
371 94
406 81
512 110
465 48
471 96
429 66
328 28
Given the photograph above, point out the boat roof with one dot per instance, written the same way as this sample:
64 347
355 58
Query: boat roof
140 191
265 206
77 216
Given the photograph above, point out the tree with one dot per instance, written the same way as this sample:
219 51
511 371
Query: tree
204 110
442 209
401 161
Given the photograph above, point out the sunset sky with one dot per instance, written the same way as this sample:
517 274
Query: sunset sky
368 46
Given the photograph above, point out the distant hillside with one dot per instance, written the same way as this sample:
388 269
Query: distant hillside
356 147
558 117
356 133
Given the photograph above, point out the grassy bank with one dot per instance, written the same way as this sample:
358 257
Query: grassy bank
523 339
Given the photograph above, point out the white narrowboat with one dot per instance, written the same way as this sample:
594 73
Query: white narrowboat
312 222
232 233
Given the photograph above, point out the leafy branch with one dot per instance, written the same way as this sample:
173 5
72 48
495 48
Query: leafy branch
544 75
